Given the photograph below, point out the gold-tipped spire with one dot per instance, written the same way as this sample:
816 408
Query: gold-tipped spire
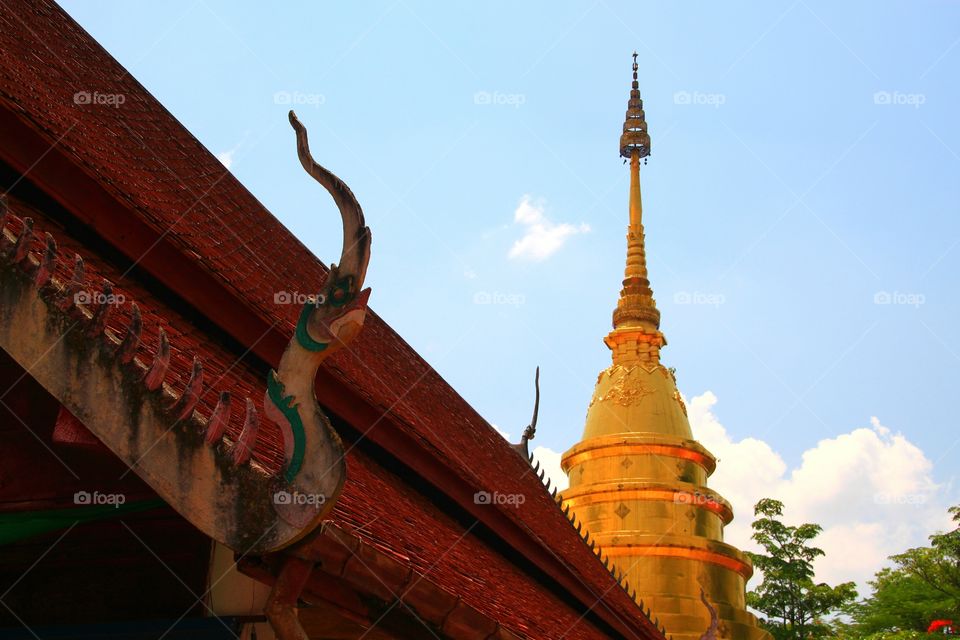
635 137
638 479
636 315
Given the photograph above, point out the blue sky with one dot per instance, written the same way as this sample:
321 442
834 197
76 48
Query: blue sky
805 160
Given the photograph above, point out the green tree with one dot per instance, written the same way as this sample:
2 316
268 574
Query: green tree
937 566
923 585
788 596
900 600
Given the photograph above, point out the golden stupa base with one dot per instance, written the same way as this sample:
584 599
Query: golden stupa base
642 494
638 479
671 586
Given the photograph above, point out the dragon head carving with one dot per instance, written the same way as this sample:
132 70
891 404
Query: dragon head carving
327 323
336 315
215 481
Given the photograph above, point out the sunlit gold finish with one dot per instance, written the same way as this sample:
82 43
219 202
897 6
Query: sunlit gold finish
638 479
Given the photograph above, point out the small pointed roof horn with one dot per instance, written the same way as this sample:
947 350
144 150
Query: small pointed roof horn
531 430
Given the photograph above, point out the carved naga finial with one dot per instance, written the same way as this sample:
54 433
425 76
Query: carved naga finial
530 432
344 284
254 512
313 450
327 323
711 632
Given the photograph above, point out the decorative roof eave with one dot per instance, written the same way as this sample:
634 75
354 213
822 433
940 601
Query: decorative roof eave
591 543
56 330
372 573
66 175
108 195
35 140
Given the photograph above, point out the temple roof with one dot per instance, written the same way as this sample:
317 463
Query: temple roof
156 213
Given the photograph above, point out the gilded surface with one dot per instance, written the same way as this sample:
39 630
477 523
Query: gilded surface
679 399
638 480
625 391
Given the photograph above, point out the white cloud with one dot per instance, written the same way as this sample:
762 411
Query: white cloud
541 236
872 490
550 463
226 157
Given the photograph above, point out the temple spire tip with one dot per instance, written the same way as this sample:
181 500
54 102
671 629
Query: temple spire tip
636 306
635 137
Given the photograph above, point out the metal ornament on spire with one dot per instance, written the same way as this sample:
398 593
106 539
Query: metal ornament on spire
635 136
636 308
638 479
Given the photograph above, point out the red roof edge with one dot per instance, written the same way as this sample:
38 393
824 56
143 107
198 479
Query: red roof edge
84 197
73 185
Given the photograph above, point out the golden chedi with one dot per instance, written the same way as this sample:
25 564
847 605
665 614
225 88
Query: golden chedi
638 479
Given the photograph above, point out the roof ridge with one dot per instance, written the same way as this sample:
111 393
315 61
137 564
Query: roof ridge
379 361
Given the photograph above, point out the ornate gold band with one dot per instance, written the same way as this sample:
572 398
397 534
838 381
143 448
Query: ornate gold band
707 501
685 553
704 460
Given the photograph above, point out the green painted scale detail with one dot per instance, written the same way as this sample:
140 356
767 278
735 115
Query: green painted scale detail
303 336
341 294
292 414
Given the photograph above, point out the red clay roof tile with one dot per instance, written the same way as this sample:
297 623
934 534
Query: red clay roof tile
164 176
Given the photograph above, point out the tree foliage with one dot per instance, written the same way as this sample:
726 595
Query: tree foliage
900 601
938 565
923 585
788 596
